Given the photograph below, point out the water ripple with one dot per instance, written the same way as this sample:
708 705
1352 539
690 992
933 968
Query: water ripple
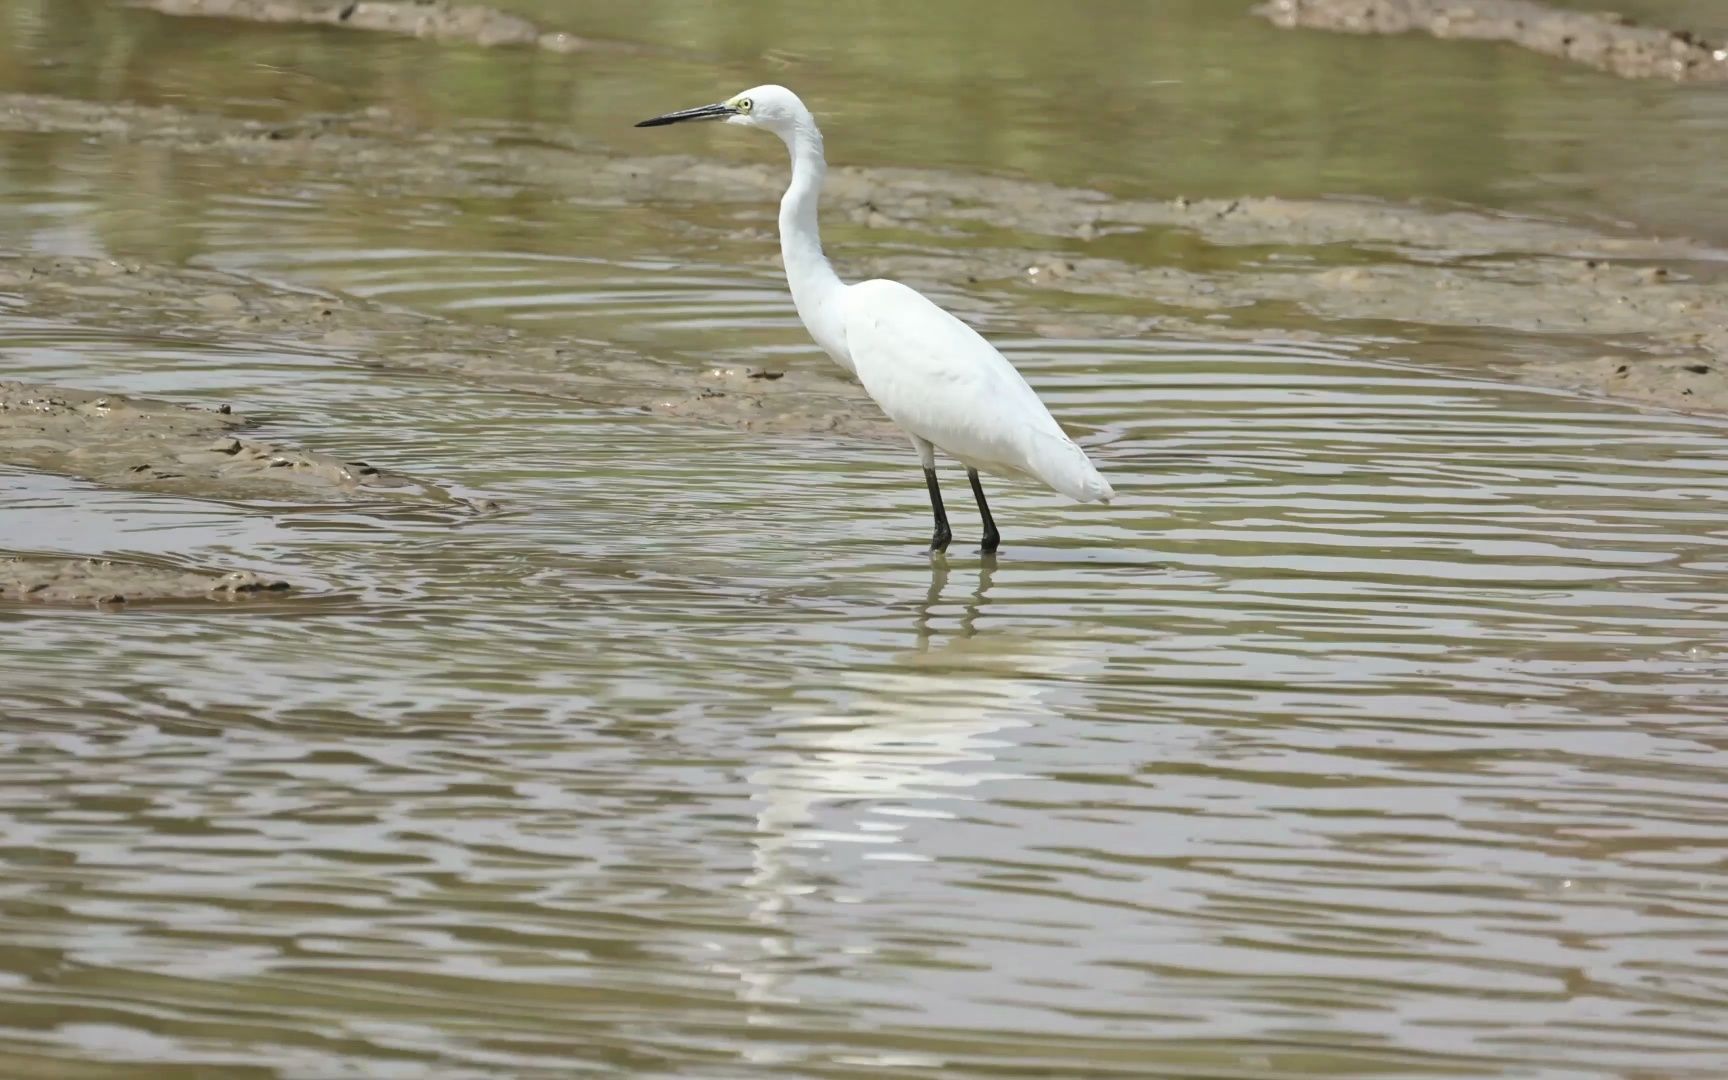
1373 731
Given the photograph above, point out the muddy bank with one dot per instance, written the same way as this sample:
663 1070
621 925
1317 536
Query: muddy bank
1372 270
1675 382
1652 335
133 442
1603 40
470 24
41 579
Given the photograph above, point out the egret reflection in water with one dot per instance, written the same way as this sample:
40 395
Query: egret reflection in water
921 734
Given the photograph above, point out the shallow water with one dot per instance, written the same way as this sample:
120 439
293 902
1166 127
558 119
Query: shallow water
1374 731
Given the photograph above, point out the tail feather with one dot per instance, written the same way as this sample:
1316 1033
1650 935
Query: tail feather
1060 463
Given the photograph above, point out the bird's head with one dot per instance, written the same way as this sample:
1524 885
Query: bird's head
773 107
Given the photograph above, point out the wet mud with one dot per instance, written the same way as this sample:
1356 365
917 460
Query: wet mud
1603 40
131 442
470 24
1653 335
1682 383
216 307
110 583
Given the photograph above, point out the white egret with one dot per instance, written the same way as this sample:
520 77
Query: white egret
933 375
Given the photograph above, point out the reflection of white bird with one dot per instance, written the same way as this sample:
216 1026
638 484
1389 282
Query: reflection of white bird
902 748
901 745
931 373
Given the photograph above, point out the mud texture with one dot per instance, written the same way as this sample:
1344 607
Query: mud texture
1603 40
133 442
1676 382
37 579
471 24
1668 330
1385 273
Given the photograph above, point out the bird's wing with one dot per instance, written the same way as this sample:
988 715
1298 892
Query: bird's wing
937 378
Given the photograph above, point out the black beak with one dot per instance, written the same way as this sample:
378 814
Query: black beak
701 112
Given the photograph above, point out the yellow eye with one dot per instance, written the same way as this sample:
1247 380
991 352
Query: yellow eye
742 104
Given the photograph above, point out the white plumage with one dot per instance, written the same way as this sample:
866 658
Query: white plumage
933 375
938 379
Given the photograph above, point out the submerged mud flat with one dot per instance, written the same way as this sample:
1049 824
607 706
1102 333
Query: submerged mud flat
1663 335
36 579
1603 40
212 305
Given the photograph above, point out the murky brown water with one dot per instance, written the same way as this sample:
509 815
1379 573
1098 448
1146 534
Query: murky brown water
1376 731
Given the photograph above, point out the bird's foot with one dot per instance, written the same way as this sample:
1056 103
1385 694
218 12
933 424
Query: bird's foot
939 541
992 541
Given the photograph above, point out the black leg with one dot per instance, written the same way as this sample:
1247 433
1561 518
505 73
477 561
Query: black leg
938 540
991 537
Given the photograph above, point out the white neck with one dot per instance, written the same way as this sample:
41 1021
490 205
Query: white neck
816 289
